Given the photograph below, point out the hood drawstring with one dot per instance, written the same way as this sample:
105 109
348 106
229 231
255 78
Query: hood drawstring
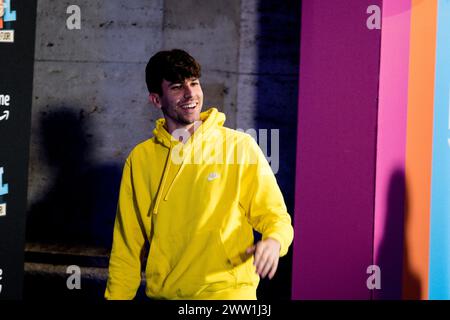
186 153
163 182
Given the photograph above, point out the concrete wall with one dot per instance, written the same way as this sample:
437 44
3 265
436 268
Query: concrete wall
90 99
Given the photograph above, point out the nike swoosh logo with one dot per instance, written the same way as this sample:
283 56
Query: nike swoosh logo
213 176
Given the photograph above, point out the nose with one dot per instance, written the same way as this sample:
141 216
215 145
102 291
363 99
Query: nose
187 91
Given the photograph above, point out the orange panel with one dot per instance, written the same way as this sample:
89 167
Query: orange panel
419 148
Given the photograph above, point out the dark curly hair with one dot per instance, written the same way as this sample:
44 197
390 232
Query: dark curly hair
174 66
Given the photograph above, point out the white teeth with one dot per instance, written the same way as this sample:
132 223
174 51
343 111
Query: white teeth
188 106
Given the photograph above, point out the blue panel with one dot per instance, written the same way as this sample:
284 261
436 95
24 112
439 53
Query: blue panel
439 272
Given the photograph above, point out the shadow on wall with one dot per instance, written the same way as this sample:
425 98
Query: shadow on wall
79 208
393 254
412 286
277 100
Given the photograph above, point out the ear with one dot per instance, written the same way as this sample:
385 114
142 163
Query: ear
155 99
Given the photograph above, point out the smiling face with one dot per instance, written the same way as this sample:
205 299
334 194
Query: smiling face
181 102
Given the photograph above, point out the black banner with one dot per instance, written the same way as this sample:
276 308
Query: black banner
17 36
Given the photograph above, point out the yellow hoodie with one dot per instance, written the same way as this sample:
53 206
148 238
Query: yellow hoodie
195 203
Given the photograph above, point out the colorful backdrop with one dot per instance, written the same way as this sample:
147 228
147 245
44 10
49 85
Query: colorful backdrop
374 147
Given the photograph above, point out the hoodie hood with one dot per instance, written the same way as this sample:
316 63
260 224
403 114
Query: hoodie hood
208 120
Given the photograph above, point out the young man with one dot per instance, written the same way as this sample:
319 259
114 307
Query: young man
194 192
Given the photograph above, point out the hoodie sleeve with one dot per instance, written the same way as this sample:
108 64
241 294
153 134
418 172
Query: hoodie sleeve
262 199
128 242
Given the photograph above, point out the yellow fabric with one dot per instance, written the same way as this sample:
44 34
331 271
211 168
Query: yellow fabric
197 215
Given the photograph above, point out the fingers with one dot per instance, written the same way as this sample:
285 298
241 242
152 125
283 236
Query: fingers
266 259
261 260
274 269
266 266
250 250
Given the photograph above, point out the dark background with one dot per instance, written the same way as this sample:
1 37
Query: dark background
16 78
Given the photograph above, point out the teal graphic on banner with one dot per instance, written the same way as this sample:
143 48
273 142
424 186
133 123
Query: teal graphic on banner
3 192
7 15
3 187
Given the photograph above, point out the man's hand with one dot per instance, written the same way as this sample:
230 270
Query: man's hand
267 253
